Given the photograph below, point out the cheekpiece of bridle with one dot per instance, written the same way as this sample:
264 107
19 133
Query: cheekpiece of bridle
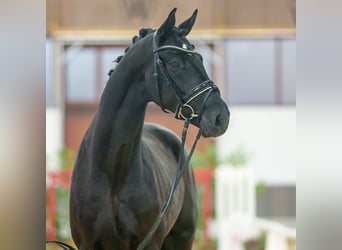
184 109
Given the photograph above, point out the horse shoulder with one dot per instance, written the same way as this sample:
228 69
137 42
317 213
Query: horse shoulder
164 136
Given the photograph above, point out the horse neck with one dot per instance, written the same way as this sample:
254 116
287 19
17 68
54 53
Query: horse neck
118 123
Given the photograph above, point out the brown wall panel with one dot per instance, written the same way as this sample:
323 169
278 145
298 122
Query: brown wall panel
99 14
134 14
79 117
77 120
259 13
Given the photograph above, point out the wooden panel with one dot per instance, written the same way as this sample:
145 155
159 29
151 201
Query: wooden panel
130 14
260 13
135 14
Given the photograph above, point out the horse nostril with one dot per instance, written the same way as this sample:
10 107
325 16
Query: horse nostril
218 120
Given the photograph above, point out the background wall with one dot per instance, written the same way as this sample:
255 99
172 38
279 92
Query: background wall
268 135
126 14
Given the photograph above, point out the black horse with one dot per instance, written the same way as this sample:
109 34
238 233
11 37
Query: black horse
124 169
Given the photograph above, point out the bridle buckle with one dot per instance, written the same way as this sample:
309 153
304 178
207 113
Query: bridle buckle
180 115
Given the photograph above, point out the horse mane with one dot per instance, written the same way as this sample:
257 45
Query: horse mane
142 33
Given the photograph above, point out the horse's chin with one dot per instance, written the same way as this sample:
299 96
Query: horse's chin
210 129
209 132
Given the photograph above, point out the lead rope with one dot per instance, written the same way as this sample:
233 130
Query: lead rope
179 173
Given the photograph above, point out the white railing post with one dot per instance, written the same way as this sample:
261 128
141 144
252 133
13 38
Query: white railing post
235 206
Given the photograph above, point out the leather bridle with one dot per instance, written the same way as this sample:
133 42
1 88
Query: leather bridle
184 109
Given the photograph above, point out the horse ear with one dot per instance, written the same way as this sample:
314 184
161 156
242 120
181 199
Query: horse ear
167 26
186 26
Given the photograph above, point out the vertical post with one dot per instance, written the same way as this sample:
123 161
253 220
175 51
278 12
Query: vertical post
278 71
219 68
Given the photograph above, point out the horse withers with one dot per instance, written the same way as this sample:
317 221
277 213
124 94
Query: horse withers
125 168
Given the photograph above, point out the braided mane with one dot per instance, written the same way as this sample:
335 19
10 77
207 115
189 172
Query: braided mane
142 33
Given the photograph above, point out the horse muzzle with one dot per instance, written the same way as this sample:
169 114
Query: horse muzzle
215 118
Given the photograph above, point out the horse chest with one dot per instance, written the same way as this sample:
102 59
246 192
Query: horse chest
142 198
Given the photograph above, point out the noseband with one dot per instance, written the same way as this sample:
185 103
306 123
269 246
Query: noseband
184 109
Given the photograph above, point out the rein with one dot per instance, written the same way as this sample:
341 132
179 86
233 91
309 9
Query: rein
179 173
183 103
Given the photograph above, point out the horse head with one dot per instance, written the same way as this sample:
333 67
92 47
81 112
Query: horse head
182 85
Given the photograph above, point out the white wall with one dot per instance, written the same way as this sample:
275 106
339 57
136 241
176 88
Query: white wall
268 133
54 136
